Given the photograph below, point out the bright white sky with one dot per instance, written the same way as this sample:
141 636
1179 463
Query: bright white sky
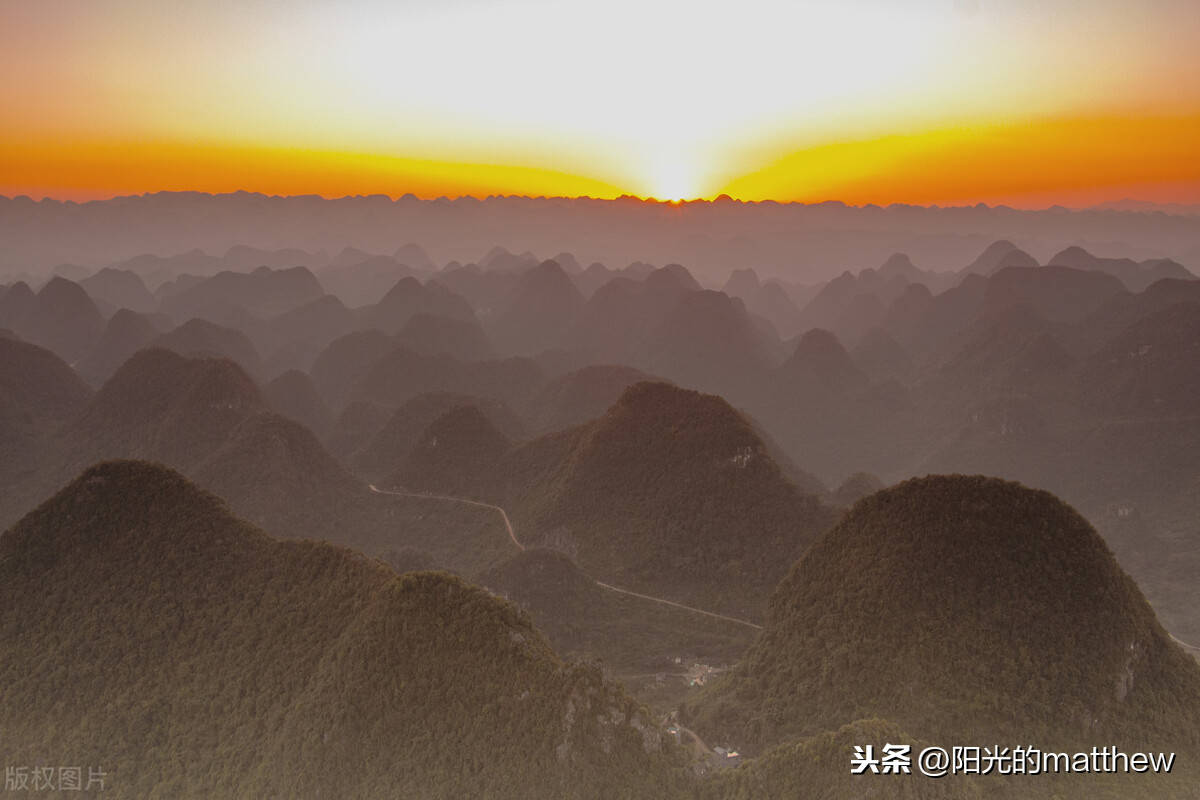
663 96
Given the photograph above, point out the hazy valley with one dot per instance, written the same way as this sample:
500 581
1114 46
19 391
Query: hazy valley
291 521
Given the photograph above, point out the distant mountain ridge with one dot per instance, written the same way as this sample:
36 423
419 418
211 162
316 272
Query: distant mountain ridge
809 241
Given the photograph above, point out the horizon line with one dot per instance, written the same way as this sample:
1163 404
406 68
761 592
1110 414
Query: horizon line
1150 206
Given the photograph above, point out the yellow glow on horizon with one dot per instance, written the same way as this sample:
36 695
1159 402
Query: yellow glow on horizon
1036 162
84 170
674 177
857 100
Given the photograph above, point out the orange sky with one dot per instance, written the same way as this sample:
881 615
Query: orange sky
932 101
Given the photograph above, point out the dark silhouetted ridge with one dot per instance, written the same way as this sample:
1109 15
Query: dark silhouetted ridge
126 333
199 337
408 298
119 288
391 446
540 309
998 255
820 360
61 317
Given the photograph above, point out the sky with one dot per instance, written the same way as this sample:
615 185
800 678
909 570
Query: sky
1024 102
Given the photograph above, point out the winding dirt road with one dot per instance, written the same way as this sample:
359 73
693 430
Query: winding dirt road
513 536
712 614
503 514
1186 646
517 543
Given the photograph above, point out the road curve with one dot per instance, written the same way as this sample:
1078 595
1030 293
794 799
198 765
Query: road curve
712 614
503 514
1186 645
513 536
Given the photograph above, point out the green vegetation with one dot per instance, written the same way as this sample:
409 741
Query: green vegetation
966 609
391 446
457 453
819 767
630 635
206 418
855 488
670 493
464 539
145 629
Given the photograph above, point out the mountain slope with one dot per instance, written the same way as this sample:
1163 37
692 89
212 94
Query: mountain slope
125 333
817 766
537 315
162 406
409 298
274 472
264 292
432 335
199 337
294 395
1135 275
629 634
1053 641
345 361
1152 369
119 288
580 396
709 341
296 337
61 317
998 255
819 365
670 493
391 446
1060 294
207 659
402 374
456 454
38 393
38 382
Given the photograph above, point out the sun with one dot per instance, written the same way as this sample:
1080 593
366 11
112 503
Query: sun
674 178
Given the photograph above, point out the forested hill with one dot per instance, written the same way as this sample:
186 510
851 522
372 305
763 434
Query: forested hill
147 631
672 492
965 608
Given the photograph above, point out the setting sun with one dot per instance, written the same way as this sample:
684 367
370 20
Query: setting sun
653 98
563 400
675 178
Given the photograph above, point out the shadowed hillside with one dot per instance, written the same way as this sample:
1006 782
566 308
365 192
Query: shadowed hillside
630 634
1055 643
670 491
457 453
208 659
38 393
